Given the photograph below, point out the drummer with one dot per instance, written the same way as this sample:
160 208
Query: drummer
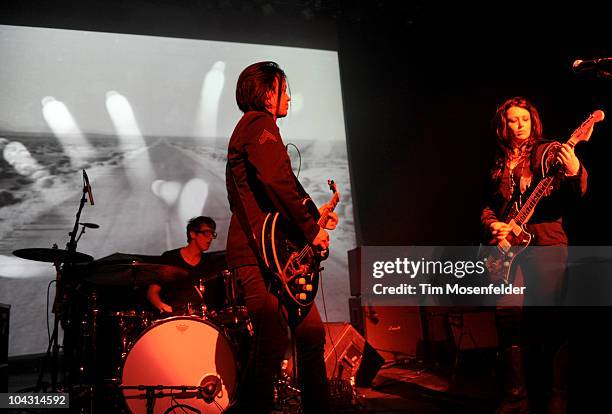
182 297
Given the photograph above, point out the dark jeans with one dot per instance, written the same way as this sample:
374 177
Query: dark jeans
270 344
539 326
544 271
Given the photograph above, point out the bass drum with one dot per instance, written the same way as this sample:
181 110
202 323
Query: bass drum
175 352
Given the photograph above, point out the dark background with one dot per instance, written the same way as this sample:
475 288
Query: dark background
420 83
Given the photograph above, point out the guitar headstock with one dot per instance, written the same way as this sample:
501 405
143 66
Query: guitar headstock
332 186
334 189
584 131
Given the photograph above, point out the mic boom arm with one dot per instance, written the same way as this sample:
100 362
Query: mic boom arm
88 188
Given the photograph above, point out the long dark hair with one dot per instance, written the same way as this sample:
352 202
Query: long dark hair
502 134
254 84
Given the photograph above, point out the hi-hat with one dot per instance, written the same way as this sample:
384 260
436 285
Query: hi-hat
136 274
53 255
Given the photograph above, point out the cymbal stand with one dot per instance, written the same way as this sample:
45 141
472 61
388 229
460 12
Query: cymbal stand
51 358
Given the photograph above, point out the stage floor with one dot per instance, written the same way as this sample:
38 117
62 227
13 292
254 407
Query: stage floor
468 387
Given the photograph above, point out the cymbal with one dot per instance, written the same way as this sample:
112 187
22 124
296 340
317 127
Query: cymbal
136 273
53 255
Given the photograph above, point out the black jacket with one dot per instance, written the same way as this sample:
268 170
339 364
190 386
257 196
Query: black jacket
546 224
258 160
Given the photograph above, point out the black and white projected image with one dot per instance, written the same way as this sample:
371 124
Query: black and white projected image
149 119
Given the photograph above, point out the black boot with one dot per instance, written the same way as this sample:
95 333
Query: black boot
557 404
515 393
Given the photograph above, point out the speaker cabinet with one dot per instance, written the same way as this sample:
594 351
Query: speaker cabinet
395 332
473 329
403 332
371 363
343 350
348 355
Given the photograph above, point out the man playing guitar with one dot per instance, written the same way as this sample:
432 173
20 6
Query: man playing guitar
260 180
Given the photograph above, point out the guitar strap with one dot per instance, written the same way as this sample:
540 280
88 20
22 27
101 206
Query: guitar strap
238 205
243 218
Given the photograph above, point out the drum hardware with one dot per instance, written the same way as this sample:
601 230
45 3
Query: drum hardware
195 309
287 397
343 394
201 289
130 324
135 274
94 323
206 392
233 315
88 338
53 255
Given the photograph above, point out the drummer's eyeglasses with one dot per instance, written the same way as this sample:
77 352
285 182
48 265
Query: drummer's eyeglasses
207 233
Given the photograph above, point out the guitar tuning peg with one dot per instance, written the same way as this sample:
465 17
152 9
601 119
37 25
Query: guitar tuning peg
300 281
301 296
308 288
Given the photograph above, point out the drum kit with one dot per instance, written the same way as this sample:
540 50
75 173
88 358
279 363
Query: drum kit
120 356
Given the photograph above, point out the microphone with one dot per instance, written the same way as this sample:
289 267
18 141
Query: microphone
210 387
88 188
580 65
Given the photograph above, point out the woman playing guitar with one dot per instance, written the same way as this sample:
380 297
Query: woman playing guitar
517 171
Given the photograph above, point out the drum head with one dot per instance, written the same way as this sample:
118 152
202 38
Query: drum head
181 351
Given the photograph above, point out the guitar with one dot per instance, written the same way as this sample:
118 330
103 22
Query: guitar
500 258
292 260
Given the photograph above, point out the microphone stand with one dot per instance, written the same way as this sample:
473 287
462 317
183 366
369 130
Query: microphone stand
604 74
152 392
58 307
69 344
72 243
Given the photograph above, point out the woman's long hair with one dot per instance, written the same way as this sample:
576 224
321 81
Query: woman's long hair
504 143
